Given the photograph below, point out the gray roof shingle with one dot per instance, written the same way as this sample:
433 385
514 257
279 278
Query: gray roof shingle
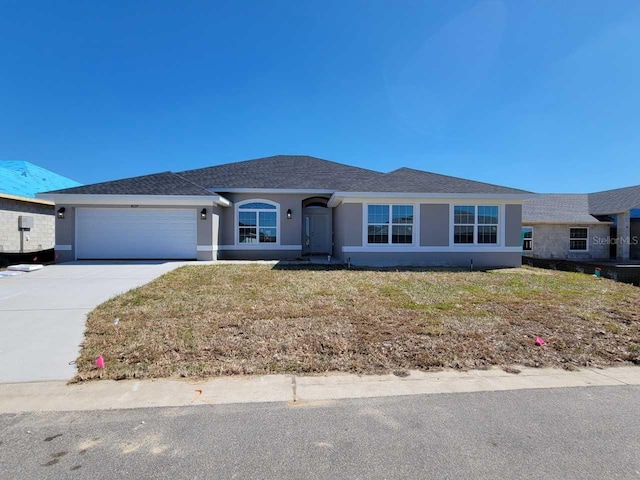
614 201
166 183
283 172
418 181
557 208
289 172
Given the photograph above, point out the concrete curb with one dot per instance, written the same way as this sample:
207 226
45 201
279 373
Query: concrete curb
295 390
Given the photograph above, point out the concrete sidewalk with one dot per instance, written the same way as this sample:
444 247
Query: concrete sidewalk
42 313
295 390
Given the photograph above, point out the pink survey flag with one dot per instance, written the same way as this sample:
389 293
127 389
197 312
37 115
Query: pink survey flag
100 362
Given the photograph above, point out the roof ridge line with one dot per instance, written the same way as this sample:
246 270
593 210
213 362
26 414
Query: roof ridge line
614 189
192 183
373 180
290 156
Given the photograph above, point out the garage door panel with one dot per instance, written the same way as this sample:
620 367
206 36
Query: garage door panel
135 233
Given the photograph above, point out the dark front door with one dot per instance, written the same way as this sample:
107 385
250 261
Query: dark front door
318 231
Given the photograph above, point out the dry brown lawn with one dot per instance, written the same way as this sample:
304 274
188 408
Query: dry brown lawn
253 319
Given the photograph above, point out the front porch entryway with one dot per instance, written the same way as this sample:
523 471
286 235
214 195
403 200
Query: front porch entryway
317 227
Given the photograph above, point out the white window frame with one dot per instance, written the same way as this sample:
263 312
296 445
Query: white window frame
499 230
258 245
585 239
415 225
525 239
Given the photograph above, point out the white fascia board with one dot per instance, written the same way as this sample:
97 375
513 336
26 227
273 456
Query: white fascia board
273 190
351 197
164 200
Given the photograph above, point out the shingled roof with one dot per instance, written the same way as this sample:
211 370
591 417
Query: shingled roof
580 207
289 172
166 183
418 181
282 172
558 208
614 201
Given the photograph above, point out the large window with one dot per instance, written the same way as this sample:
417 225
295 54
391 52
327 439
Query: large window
390 224
578 239
475 224
257 223
527 238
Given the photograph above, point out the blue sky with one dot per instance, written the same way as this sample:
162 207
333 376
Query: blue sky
541 95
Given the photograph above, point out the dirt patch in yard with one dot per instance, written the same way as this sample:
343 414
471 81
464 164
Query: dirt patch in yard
200 321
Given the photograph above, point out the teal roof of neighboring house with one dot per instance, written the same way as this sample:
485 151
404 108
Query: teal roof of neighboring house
24 179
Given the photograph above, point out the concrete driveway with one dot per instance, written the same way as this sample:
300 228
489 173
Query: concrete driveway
42 314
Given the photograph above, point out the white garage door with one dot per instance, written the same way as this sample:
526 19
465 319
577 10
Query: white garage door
133 233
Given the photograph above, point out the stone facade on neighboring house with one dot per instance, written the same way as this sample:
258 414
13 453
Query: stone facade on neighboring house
601 225
19 183
553 241
40 237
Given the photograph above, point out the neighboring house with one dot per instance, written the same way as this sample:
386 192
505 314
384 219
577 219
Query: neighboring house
599 225
284 207
27 224
36 237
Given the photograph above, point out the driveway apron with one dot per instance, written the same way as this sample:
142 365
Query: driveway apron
43 313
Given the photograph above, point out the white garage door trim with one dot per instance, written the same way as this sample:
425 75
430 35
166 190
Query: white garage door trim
135 233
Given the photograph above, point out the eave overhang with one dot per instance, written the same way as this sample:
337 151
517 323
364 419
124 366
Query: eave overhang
150 200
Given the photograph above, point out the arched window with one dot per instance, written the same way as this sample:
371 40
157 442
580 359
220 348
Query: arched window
257 222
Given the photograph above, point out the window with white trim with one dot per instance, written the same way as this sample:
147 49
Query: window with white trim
578 239
527 238
390 224
475 224
257 223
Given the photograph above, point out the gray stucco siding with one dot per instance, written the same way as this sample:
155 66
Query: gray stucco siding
432 245
215 233
258 254
513 225
434 224
290 229
65 234
347 227
435 259
207 233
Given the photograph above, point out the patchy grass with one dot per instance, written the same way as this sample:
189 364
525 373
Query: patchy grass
252 319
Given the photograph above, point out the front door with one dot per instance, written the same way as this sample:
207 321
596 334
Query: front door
318 232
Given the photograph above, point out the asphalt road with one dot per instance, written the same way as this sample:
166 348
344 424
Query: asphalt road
570 433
